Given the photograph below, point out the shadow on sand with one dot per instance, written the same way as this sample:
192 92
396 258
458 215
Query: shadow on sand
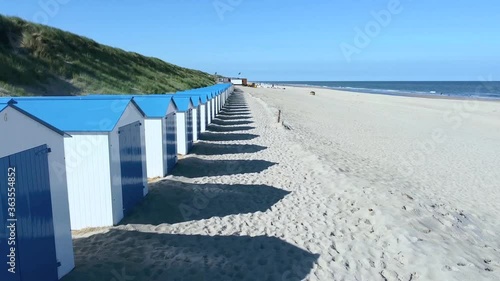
173 202
227 137
193 167
235 107
126 255
205 148
228 111
231 123
226 117
235 114
218 128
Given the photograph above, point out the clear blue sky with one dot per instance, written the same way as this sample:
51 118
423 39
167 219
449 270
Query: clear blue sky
293 39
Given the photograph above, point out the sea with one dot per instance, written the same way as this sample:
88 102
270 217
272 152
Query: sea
472 89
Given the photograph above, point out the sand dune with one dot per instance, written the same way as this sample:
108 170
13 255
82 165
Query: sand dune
323 201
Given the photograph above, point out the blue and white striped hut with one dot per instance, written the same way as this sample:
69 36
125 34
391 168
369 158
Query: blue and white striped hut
161 133
105 156
40 223
184 124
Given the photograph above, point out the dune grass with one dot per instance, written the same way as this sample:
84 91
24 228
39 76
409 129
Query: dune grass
40 60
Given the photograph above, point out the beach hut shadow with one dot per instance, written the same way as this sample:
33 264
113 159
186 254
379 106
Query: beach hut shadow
205 148
173 202
227 117
230 111
227 137
231 123
236 106
124 255
193 167
232 105
230 114
218 128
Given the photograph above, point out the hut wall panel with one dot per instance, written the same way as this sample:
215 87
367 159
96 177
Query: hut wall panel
89 193
181 133
155 141
203 116
209 113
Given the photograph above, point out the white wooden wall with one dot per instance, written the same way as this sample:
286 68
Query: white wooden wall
89 180
181 133
209 108
203 112
155 143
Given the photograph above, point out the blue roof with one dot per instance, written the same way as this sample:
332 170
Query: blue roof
3 106
76 115
183 103
6 100
154 106
195 99
203 95
203 98
195 95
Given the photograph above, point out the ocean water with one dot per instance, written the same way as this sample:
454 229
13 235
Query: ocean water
490 90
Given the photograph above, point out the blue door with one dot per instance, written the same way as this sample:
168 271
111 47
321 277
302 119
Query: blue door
207 113
213 109
189 120
171 146
198 122
27 243
131 166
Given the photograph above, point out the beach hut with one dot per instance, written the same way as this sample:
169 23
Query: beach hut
35 231
210 107
184 124
195 117
203 114
214 106
105 156
161 133
217 103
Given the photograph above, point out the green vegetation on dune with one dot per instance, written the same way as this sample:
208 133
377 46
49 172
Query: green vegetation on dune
40 60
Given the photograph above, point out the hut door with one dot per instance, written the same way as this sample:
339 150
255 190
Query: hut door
189 118
27 243
171 129
207 114
198 122
131 166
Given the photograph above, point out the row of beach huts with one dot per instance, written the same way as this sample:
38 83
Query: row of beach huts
69 163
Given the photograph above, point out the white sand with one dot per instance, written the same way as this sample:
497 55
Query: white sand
347 194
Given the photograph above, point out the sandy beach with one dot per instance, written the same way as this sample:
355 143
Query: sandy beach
353 187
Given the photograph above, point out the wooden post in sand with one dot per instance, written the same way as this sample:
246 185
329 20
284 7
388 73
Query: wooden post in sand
279 116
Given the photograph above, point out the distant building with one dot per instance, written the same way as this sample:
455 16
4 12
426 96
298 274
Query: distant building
239 81
224 80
